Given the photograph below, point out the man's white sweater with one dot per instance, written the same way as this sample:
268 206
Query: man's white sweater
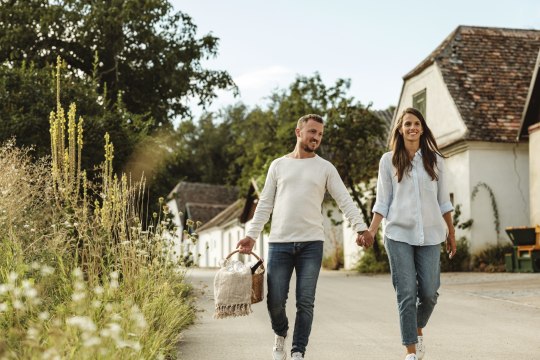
294 190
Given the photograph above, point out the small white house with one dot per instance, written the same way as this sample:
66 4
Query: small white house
473 90
198 202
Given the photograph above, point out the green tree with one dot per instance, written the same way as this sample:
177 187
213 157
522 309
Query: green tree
355 141
28 93
148 53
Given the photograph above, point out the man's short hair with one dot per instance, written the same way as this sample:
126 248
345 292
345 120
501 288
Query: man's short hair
304 119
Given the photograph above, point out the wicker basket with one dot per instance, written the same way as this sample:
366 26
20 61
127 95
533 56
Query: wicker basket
257 280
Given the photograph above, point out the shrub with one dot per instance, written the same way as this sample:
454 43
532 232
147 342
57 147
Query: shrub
335 260
369 264
491 259
460 261
80 277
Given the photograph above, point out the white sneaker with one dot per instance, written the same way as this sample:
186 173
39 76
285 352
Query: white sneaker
420 348
411 357
297 356
278 351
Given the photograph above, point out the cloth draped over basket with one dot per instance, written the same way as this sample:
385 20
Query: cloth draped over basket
232 293
235 289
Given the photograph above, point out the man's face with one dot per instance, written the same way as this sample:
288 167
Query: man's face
310 135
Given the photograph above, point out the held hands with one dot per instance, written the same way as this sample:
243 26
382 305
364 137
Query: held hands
451 248
365 239
245 245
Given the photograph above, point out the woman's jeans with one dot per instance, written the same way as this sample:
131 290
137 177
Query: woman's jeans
416 279
306 258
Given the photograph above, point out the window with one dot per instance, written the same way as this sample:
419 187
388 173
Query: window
419 101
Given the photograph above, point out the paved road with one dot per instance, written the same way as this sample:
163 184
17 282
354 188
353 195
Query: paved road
479 316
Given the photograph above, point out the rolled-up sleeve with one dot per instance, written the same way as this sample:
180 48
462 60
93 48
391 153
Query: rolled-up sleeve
443 197
384 186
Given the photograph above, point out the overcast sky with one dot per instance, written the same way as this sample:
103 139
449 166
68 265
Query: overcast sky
264 45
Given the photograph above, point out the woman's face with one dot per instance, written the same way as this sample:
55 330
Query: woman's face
411 128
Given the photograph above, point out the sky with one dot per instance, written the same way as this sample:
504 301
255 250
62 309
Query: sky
265 45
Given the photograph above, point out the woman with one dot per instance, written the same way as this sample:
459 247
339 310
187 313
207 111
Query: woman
412 197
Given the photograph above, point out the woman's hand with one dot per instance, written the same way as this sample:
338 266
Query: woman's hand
451 248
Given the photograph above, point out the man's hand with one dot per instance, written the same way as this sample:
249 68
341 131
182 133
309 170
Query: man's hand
365 239
245 245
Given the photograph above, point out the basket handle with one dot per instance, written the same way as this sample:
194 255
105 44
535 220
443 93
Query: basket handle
235 251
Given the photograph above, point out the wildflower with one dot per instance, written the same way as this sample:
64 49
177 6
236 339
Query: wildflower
4 288
46 270
96 304
12 277
84 323
98 290
78 296
18 305
77 272
3 307
44 315
92 341
32 333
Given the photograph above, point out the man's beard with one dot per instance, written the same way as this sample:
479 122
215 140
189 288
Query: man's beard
308 149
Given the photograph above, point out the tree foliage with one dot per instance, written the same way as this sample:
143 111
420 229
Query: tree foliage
28 93
147 53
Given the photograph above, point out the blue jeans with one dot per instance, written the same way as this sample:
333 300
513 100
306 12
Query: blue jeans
416 278
306 258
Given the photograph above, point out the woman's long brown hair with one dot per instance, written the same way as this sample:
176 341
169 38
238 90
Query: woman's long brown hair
428 146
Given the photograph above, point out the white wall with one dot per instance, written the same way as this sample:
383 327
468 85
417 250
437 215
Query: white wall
534 176
458 169
505 169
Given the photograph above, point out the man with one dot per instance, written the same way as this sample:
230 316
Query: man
293 193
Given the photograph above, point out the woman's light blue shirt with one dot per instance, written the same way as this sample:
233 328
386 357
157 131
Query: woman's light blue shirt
413 208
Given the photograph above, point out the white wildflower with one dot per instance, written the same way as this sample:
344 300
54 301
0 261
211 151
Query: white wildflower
44 315
98 290
12 277
32 333
77 272
3 307
4 288
96 304
82 322
18 305
78 296
46 270
91 341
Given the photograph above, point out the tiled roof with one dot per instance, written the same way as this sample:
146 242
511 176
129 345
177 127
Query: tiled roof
203 212
205 200
488 72
232 212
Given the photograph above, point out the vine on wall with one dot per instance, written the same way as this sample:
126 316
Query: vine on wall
493 205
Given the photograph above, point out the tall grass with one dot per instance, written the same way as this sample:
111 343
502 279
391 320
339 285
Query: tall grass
80 278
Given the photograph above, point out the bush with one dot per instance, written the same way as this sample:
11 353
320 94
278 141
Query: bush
460 261
80 277
369 264
491 259
335 260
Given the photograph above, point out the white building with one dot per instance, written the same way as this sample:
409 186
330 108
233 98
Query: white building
473 91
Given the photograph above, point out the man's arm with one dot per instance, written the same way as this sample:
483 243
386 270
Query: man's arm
339 192
262 212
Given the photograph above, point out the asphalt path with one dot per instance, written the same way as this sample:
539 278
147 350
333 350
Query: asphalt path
478 316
